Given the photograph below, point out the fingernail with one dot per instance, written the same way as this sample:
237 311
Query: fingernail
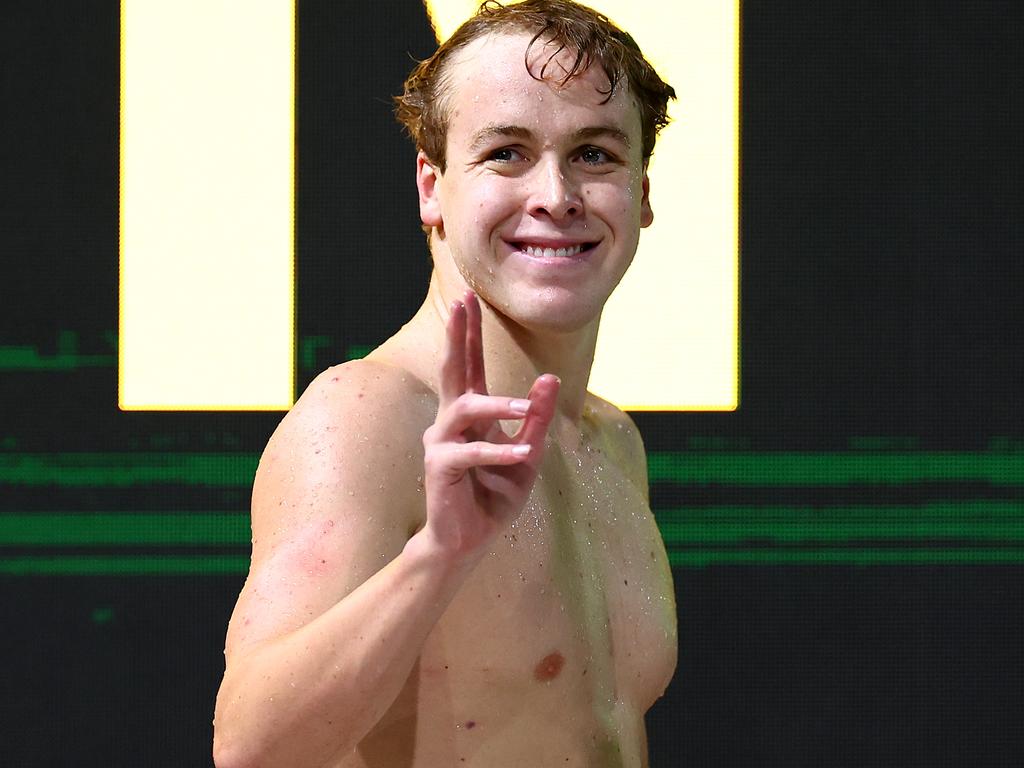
521 450
519 406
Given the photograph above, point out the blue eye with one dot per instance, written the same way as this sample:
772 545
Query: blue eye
503 155
594 156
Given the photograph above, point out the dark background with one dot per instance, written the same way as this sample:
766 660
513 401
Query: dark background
881 283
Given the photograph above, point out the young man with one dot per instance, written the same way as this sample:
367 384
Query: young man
454 561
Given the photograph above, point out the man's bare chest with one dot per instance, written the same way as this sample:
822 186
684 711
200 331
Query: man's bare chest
574 600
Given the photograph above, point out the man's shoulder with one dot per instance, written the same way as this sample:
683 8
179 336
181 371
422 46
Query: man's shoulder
368 391
621 436
351 442
363 413
615 423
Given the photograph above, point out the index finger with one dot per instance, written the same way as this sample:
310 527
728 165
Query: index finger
453 366
476 379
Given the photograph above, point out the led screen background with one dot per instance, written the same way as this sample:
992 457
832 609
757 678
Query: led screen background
847 545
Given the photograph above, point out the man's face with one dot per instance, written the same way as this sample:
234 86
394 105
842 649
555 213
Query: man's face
544 195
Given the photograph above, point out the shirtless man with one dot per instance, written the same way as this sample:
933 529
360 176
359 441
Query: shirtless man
454 560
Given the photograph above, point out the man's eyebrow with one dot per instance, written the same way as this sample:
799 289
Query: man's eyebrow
489 132
609 131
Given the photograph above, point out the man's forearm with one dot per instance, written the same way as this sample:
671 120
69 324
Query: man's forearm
302 698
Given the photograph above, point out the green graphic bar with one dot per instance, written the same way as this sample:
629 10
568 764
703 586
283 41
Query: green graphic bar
795 533
967 521
843 557
703 468
124 565
958 510
67 357
29 359
238 565
837 468
140 529
119 470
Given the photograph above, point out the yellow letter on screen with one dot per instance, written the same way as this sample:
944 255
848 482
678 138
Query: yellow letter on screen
207 205
670 333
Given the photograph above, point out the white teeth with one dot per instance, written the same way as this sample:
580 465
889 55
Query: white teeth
551 253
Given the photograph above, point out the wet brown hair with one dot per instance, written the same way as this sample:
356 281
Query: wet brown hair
423 107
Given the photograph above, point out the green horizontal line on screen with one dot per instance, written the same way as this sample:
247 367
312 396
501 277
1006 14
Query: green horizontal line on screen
157 565
66 357
740 469
124 565
834 468
56 529
116 470
29 359
952 510
833 557
796 533
976 521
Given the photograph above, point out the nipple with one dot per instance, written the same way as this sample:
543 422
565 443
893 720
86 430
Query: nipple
549 667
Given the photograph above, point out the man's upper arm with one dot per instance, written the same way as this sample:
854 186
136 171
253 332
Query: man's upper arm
337 494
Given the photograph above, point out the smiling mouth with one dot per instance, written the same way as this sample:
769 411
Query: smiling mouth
564 252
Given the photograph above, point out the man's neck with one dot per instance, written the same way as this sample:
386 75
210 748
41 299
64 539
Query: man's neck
515 356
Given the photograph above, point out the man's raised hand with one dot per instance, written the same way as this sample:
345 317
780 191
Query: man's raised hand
478 478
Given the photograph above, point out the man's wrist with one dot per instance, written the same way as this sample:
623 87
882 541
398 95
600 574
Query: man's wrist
424 550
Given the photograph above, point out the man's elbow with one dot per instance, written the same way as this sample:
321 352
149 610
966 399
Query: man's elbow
234 749
233 755
228 755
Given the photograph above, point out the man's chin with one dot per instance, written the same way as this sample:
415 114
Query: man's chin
553 314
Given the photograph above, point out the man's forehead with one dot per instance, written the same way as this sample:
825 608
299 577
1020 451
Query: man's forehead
499 60
491 73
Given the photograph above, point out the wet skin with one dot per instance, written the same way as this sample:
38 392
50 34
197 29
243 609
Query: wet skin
561 630
565 633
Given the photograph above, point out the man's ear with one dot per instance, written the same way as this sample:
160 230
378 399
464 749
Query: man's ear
646 213
427 177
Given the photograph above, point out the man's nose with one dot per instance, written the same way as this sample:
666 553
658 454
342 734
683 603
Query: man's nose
554 192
